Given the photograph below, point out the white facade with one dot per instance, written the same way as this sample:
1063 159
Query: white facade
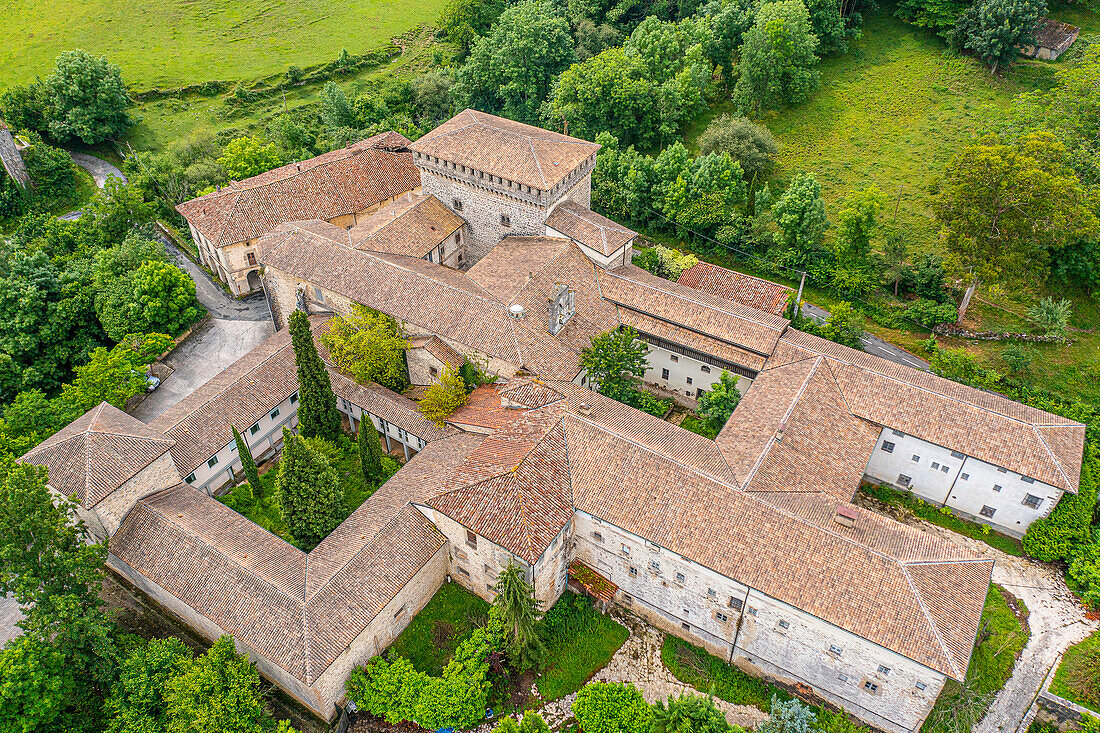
684 374
1006 501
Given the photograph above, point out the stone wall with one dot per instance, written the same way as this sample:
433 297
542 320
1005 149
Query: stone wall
157 476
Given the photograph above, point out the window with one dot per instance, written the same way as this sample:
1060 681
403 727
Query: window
712 594
471 539
464 571
921 686
458 237
456 205
679 576
320 296
689 380
400 612
1027 479
664 374
997 487
674 357
274 413
625 550
486 569
887 446
505 221
935 465
251 258
597 536
883 669
870 686
945 469
685 626
1002 470
705 369
633 572
1033 502
629 600
433 371
898 433
294 398
915 459
842 677
735 603
654 566
904 480
190 478
752 611
835 650
254 429
784 624
988 511
964 476
212 462
440 253
722 618
956 454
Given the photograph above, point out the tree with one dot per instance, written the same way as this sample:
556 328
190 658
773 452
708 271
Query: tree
462 21
844 326
219 692
615 359
335 109
441 399
370 346
959 366
308 492
751 145
519 612
26 107
136 704
531 722
109 376
934 14
689 714
1052 315
789 716
800 216
370 450
512 69
51 169
856 225
725 27
605 707
117 208
158 297
778 61
248 156
894 260
248 465
719 402
317 414
995 30
87 98
1005 206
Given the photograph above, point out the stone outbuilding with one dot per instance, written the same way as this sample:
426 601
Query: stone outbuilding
1052 40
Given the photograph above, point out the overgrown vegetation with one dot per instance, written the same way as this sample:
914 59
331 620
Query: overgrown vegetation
579 641
430 639
1078 675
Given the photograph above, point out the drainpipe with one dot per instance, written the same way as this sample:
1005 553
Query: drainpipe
740 620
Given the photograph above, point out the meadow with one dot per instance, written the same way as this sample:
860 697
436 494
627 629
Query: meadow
169 43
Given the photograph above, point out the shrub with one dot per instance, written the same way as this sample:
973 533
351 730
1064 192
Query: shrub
789 716
750 144
605 707
440 400
370 346
1060 535
931 313
665 262
1083 575
1052 315
1017 357
689 714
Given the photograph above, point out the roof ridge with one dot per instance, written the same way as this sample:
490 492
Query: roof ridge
931 622
1053 457
786 416
535 157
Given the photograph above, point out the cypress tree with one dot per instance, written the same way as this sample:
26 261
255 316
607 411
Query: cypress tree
249 465
370 450
308 491
317 414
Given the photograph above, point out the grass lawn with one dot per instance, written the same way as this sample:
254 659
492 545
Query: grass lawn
1078 676
584 643
935 515
1001 638
163 43
265 511
432 636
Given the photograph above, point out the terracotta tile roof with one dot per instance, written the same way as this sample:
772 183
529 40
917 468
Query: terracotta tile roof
433 297
97 453
483 410
595 584
691 339
589 228
634 288
201 424
515 151
334 184
745 289
439 349
414 225
528 392
981 424
792 418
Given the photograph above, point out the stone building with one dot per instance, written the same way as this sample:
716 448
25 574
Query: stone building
341 187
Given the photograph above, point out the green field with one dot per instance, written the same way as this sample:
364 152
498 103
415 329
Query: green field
168 43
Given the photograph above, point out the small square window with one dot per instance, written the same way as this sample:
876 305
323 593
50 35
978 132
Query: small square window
705 369
898 433
834 649
1002 470
883 669
988 511
400 612
254 429
921 686
685 626
735 603
664 374
723 618
625 550
274 413
471 539
464 571
628 599
784 624
997 487
904 480
887 446
654 566
964 476
190 478
212 462
1032 501
752 611
870 686
842 677
935 465
597 536
294 398
505 220
956 454
689 380
712 594
1027 479
674 357
456 205
633 571
915 459
679 576
945 469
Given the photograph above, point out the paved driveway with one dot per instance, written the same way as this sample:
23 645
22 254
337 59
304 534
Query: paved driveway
872 344
100 169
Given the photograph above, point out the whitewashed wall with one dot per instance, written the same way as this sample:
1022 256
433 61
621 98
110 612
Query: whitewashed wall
685 374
